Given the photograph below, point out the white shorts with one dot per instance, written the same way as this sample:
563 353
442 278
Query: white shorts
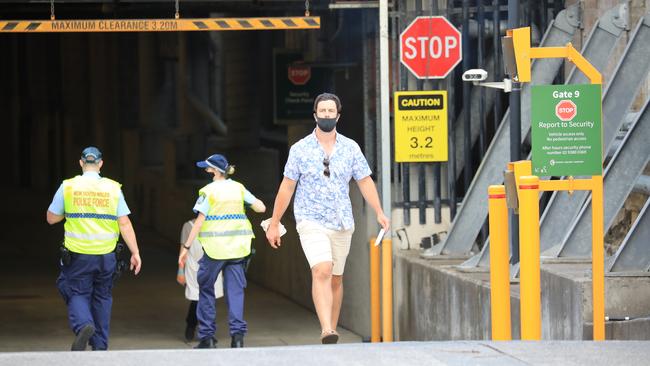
321 244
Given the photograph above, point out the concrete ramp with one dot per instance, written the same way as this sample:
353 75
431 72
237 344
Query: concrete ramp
401 353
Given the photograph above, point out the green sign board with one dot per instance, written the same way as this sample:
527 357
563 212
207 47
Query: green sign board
296 85
566 126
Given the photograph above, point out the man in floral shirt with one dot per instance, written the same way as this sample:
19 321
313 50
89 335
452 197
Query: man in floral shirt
319 169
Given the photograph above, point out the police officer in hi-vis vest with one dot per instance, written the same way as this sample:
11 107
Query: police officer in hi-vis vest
225 235
95 214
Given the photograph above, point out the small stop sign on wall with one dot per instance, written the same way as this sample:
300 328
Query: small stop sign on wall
299 74
565 110
430 47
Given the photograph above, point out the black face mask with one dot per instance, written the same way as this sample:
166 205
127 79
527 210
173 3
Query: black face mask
326 124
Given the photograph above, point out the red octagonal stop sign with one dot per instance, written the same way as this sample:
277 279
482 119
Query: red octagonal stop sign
430 47
565 110
299 74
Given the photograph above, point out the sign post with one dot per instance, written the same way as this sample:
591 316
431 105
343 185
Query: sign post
430 47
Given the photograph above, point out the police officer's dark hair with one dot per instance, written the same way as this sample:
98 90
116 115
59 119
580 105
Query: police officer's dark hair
328 96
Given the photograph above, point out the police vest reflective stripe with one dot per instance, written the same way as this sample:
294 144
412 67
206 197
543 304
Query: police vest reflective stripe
226 232
211 234
103 236
90 206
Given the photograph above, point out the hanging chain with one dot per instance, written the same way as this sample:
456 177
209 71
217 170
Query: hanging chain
52 17
306 8
177 15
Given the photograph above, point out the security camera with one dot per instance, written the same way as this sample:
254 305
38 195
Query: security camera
475 75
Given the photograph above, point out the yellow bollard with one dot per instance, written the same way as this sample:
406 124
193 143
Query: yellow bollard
499 264
387 290
375 315
598 257
530 300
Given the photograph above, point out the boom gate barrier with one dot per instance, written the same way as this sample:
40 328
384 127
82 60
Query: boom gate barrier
527 191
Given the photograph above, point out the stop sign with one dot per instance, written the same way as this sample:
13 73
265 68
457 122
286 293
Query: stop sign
565 110
299 74
430 47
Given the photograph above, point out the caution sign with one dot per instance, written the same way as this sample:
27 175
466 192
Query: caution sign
566 127
420 126
158 25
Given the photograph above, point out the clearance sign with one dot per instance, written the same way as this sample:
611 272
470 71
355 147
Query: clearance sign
420 126
157 25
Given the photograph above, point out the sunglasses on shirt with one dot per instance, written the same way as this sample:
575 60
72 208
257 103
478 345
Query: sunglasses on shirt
326 170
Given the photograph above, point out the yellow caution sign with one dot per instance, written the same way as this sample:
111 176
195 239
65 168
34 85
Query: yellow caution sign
158 25
420 126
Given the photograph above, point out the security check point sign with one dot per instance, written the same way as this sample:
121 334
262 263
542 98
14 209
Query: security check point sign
566 130
420 126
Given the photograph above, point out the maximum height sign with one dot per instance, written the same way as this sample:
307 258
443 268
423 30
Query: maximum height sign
420 126
566 128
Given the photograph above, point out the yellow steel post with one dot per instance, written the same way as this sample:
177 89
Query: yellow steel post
387 290
375 307
521 168
499 264
523 54
530 301
521 43
598 258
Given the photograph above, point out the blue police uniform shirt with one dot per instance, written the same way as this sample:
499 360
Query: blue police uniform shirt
203 206
322 199
57 205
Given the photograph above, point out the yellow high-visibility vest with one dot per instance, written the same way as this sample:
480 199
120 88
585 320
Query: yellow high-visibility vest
90 206
226 232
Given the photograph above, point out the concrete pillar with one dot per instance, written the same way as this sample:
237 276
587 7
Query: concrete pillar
130 182
182 80
169 163
145 76
14 109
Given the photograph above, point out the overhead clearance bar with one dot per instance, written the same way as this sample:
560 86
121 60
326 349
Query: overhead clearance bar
158 25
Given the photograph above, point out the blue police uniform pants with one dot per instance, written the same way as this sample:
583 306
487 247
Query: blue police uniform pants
234 282
86 285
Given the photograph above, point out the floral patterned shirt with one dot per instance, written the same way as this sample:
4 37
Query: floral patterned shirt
322 199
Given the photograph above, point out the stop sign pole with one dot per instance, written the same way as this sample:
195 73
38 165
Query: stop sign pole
430 47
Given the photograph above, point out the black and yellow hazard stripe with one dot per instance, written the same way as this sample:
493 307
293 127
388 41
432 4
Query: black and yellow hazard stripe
158 25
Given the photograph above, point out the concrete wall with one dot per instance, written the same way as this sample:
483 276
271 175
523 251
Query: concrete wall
636 329
566 303
436 301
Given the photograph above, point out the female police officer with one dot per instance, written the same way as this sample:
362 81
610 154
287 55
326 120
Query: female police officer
225 234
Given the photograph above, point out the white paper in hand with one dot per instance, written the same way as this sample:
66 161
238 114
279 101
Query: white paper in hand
265 226
380 236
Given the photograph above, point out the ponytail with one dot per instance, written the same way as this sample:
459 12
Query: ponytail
230 170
